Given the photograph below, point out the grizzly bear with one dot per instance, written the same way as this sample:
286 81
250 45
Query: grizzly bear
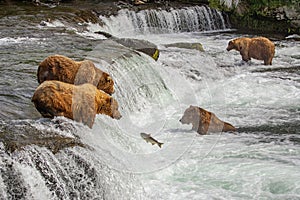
61 68
78 102
259 48
204 121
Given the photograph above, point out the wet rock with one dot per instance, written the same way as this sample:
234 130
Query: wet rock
85 16
16 135
196 46
140 45
136 44
109 51
293 37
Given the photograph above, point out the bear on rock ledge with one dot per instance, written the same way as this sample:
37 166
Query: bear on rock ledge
61 68
78 102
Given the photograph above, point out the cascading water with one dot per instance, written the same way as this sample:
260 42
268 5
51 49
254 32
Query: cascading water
34 172
190 19
147 105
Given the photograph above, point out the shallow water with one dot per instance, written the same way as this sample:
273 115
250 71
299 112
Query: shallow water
260 161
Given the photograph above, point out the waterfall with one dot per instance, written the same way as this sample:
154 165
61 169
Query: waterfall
34 172
138 81
188 19
113 150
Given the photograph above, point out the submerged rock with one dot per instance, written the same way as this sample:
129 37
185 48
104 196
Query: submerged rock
184 45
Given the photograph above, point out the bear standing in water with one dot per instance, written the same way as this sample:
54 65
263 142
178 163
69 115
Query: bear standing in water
204 122
259 48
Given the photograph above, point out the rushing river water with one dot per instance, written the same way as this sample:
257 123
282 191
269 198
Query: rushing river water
260 161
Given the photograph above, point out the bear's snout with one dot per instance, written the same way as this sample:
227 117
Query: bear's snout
184 120
117 115
43 76
229 48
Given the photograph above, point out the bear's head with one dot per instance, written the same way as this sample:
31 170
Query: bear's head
50 68
231 45
89 73
108 107
114 109
191 115
236 44
239 44
106 83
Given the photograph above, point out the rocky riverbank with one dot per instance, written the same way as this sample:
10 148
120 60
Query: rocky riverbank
273 16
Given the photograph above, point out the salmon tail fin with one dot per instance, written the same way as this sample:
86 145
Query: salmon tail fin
160 144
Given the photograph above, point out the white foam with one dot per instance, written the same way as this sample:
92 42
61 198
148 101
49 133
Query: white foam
18 40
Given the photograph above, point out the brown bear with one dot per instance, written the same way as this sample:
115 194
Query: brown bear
61 68
204 121
78 102
259 48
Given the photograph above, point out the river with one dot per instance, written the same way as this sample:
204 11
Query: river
260 161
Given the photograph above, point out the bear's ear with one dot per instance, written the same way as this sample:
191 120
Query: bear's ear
109 101
193 107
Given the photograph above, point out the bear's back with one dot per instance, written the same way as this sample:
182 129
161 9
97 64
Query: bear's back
261 48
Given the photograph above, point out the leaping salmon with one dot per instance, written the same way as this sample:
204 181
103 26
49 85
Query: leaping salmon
148 138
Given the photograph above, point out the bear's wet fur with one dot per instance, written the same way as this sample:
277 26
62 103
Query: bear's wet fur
259 48
204 122
78 102
64 69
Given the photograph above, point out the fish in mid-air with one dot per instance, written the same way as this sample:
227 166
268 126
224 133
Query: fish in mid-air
148 138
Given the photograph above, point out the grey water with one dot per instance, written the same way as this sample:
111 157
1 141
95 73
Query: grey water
261 161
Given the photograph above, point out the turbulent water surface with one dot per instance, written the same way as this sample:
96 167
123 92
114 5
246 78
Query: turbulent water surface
260 161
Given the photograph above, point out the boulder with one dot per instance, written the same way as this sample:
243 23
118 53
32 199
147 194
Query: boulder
136 44
184 45
17 135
